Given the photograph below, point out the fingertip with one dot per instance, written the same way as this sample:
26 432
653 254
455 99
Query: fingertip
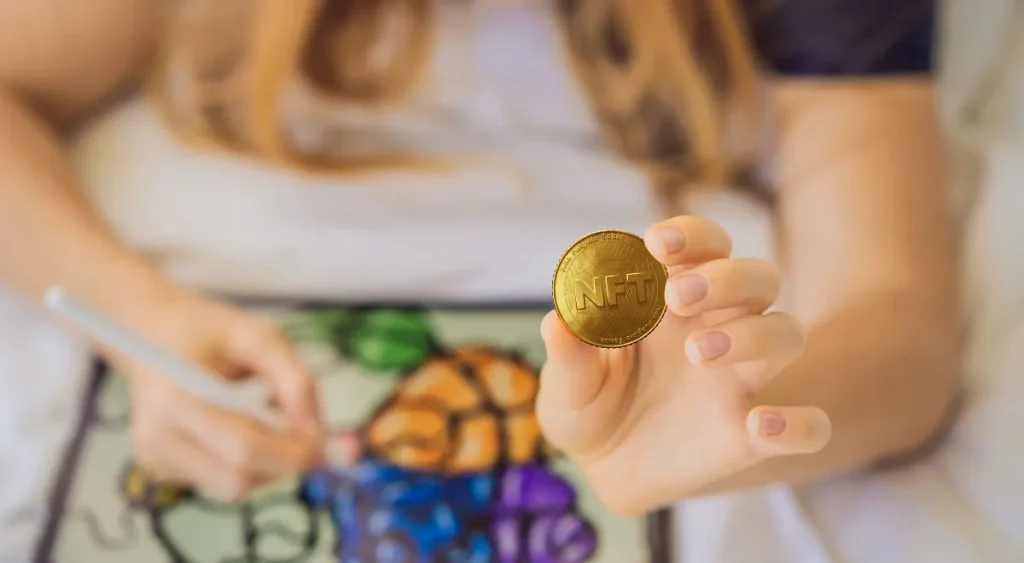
550 327
778 431
662 241
557 336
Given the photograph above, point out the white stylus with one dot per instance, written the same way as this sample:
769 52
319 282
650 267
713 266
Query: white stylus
190 377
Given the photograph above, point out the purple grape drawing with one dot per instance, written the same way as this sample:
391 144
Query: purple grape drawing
533 488
535 517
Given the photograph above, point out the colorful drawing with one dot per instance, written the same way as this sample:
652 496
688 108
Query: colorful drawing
448 462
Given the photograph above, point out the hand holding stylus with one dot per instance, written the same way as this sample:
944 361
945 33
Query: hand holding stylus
190 425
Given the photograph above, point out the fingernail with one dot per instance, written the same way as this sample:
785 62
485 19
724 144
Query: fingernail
713 345
691 289
672 239
771 424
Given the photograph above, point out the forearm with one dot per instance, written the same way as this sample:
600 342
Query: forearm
871 256
48 233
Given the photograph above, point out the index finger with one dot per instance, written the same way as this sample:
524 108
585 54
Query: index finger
263 348
687 240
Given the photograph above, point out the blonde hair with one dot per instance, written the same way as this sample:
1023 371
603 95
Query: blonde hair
671 82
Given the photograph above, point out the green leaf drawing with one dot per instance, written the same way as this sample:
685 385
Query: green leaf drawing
390 339
380 340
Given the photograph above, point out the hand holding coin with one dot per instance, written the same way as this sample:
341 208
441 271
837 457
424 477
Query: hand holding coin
655 349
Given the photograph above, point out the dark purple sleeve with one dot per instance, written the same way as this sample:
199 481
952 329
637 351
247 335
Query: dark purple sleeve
844 37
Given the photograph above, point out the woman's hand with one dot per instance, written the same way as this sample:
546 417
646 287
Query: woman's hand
179 438
662 419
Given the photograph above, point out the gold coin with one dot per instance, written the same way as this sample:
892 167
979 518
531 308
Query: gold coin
609 290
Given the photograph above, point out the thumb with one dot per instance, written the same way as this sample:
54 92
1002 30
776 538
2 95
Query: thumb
776 431
573 373
263 349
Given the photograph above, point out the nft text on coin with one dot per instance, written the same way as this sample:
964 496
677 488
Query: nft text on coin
605 290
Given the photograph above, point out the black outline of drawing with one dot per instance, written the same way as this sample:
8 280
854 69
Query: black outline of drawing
57 504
